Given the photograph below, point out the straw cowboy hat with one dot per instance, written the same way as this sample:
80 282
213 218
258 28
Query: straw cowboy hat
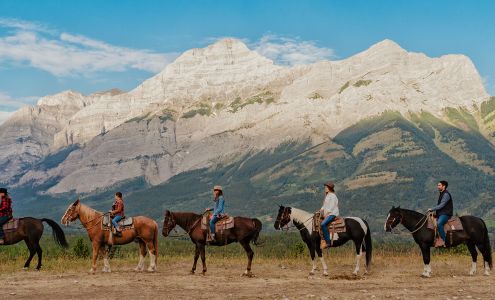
217 188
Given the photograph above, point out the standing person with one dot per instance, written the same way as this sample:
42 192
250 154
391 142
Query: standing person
330 210
218 210
117 212
444 209
5 211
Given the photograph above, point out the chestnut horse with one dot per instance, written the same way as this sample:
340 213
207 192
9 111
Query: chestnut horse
245 230
30 230
145 231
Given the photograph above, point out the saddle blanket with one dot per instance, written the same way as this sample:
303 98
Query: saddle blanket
453 224
125 224
226 222
11 225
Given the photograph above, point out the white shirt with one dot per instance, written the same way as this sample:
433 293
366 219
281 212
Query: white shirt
330 205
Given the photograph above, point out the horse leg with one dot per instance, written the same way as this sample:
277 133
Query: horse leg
196 256
358 257
485 251
96 250
203 257
425 251
474 255
40 255
153 253
32 252
322 260
312 253
106 264
142 255
250 255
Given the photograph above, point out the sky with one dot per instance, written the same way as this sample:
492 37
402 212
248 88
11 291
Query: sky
88 46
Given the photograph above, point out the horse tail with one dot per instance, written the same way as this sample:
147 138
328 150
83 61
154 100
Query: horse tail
58 233
486 246
155 241
368 245
257 227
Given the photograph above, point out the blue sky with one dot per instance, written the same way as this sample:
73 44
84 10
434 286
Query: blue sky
50 46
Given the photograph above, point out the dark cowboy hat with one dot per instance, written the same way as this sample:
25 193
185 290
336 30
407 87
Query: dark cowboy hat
330 184
3 190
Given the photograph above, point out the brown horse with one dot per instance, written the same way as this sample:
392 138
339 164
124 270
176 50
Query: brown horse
145 231
30 231
245 230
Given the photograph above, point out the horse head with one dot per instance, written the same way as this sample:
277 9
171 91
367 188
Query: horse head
168 223
283 217
394 218
71 214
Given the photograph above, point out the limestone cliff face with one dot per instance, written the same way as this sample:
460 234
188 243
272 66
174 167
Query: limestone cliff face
223 101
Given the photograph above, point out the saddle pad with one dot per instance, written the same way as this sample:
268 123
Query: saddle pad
226 222
453 224
125 223
11 225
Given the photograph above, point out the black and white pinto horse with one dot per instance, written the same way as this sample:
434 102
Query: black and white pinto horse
357 230
474 235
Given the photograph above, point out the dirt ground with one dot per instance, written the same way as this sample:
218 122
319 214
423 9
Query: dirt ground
390 278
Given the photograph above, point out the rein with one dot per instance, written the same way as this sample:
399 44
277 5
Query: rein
423 219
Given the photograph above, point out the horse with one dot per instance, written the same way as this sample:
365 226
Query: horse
145 231
30 231
474 235
357 230
245 230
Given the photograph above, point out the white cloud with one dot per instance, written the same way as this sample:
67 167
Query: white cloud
291 51
66 54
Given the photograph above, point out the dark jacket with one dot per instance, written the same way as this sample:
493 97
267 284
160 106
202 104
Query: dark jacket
445 205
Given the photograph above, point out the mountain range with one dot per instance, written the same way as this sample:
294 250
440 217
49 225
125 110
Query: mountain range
385 124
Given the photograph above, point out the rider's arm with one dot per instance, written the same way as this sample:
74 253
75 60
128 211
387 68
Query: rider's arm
443 202
5 205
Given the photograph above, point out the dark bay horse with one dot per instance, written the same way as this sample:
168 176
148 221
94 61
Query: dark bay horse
245 230
145 231
474 235
357 230
30 231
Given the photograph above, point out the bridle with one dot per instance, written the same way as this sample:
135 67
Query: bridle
424 219
70 211
285 217
170 224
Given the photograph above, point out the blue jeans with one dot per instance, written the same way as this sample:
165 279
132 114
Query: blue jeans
442 220
116 220
3 220
324 228
212 224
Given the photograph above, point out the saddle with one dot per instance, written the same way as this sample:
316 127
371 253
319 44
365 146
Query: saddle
453 224
125 224
335 227
225 222
11 225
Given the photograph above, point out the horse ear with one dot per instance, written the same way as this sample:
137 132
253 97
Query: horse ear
398 207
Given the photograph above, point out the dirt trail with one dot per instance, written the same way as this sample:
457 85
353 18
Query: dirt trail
396 279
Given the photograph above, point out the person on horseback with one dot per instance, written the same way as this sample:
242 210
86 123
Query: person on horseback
5 211
117 212
330 210
444 209
218 210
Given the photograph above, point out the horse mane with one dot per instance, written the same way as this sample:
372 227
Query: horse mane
185 219
302 217
87 211
413 212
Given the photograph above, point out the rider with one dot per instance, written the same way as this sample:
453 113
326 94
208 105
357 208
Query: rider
5 211
117 212
218 210
444 209
330 210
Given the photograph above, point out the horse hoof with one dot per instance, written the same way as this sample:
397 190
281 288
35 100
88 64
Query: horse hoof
191 273
25 268
325 274
248 274
151 270
426 275
487 273
311 273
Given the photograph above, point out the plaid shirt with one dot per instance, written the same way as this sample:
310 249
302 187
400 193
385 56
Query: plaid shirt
118 208
6 207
